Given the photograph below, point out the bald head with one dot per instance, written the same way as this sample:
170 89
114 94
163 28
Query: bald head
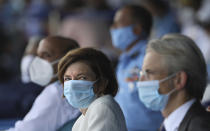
52 48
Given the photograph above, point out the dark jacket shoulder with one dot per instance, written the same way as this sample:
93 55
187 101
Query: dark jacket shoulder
196 119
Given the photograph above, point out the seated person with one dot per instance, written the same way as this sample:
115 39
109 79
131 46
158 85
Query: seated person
90 85
49 111
173 80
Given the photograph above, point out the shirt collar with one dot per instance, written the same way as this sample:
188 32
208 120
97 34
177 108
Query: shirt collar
172 122
139 47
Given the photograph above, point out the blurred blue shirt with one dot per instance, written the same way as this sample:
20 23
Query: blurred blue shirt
137 116
165 24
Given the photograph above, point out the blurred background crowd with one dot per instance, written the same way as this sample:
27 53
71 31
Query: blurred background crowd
24 22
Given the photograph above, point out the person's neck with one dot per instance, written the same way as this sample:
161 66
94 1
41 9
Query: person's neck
175 101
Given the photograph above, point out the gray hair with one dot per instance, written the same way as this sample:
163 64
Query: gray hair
182 54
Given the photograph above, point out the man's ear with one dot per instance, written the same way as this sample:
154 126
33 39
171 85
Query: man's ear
137 29
180 80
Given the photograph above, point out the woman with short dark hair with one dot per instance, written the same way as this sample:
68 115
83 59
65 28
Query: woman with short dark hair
90 85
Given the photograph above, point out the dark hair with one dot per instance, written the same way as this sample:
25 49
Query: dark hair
142 16
100 65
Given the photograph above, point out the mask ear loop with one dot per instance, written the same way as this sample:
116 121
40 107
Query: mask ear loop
55 61
168 77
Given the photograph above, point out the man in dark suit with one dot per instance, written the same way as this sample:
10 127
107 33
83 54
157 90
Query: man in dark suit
196 119
173 79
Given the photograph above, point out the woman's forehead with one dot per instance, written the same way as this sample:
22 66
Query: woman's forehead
78 68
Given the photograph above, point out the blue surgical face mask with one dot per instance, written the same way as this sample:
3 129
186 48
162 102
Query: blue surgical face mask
149 95
79 93
123 37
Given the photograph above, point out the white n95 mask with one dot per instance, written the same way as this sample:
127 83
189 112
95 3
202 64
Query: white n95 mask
24 68
41 71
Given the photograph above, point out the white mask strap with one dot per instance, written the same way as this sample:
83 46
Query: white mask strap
55 61
168 77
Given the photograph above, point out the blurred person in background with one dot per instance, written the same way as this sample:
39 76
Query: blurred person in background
33 14
90 85
12 90
90 32
186 10
6 55
175 84
50 111
164 18
7 16
202 37
200 31
130 31
90 9
29 54
88 23
98 9
36 18
10 84
30 90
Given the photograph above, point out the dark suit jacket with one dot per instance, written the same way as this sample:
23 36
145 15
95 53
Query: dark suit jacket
196 119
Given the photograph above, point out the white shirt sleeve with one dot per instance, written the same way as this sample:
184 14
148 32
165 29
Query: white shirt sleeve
48 113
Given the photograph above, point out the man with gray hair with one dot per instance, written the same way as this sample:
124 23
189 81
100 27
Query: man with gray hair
173 79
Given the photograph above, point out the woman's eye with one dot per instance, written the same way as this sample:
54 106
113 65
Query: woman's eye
67 79
82 78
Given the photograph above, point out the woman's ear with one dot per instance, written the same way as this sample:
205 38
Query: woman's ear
180 80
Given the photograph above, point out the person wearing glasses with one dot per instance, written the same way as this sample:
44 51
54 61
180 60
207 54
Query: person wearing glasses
172 80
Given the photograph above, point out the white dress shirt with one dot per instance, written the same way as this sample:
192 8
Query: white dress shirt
49 111
206 95
173 121
103 114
